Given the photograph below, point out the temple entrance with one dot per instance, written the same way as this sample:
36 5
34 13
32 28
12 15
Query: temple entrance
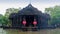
31 22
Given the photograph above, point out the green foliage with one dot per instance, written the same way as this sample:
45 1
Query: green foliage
55 13
3 20
11 10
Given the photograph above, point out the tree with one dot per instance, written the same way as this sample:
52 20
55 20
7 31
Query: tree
55 14
3 20
11 10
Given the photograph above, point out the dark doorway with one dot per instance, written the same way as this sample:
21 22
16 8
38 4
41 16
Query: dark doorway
29 19
29 22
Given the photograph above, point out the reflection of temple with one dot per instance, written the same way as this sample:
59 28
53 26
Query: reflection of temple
29 14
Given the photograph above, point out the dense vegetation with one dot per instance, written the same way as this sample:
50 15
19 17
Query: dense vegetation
4 19
54 13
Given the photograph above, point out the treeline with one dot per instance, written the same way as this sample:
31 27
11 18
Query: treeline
55 15
4 19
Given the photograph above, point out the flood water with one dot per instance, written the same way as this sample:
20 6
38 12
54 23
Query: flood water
15 31
2 31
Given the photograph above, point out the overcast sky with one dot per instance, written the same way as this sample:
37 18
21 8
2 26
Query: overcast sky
39 4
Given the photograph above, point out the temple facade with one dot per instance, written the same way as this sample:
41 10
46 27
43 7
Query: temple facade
29 17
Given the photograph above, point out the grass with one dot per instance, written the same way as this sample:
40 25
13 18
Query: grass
45 31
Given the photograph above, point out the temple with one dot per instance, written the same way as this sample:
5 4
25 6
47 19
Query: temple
29 17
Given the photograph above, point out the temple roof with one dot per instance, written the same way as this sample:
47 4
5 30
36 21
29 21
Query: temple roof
29 10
